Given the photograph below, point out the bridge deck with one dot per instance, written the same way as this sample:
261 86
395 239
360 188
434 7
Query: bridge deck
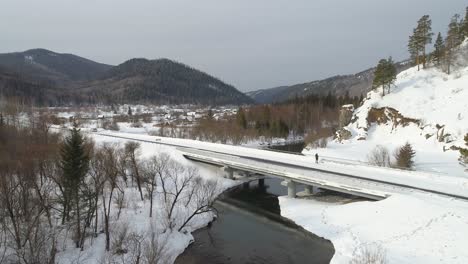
374 181
345 183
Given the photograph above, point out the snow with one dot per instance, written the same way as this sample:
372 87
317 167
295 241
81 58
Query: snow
429 95
411 229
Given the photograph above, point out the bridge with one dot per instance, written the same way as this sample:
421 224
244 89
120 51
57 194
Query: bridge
360 180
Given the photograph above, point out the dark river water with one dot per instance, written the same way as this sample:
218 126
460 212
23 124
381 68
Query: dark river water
249 229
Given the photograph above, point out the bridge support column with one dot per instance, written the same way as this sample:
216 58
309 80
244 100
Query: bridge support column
229 172
291 189
308 190
261 183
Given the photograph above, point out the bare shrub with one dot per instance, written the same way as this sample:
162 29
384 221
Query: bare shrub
154 250
110 124
119 238
379 156
323 142
370 255
137 124
147 118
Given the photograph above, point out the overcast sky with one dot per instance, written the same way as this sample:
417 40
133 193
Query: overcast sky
251 44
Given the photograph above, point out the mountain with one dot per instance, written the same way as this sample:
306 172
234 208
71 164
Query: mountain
58 67
49 78
355 84
162 81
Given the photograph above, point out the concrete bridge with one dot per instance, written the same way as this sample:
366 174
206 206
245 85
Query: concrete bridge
362 186
365 181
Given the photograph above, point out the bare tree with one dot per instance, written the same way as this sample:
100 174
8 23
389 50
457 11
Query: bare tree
153 169
187 190
179 178
131 149
202 200
110 162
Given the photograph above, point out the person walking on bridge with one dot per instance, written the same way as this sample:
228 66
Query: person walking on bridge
316 158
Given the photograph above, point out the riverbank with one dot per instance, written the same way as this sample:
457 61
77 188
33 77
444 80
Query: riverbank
406 229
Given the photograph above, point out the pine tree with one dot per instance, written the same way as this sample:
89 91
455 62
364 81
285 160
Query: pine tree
464 153
74 164
413 48
209 115
424 35
438 53
464 26
241 119
390 73
384 75
379 76
452 41
405 156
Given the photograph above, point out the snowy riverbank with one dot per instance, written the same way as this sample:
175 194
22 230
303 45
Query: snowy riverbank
409 229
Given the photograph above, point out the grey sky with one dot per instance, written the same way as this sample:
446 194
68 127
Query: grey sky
251 44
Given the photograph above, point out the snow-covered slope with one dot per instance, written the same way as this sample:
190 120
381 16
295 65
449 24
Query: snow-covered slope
426 108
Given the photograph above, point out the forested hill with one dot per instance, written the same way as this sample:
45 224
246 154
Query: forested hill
163 81
46 64
354 84
48 78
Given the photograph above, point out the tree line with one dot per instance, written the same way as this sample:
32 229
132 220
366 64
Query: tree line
442 56
314 116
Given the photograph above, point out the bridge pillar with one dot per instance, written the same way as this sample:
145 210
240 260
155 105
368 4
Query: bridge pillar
229 172
261 183
291 189
308 190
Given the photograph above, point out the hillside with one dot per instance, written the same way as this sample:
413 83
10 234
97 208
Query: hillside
162 81
46 64
355 84
49 78
426 108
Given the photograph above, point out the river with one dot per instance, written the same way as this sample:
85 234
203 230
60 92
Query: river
250 229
